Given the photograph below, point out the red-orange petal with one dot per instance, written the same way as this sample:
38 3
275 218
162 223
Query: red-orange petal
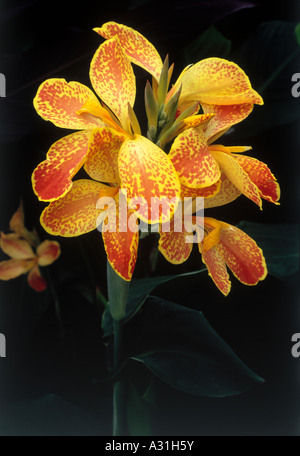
10 269
16 248
102 160
216 267
242 255
224 117
192 160
217 81
205 192
261 176
113 79
235 173
121 242
75 213
149 178
48 252
139 50
52 178
58 101
174 246
36 280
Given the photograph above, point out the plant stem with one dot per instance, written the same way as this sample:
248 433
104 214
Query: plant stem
117 297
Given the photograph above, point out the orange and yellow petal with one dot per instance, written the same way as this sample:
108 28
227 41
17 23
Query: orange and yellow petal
261 176
217 81
75 213
10 269
121 244
138 49
239 178
224 117
226 194
174 246
36 280
197 120
150 180
216 267
16 248
242 255
192 160
102 160
52 178
113 79
16 223
58 101
47 252
205 192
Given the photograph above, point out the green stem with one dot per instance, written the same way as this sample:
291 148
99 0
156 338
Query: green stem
117 297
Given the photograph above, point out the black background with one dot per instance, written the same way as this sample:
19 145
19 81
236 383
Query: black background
46 389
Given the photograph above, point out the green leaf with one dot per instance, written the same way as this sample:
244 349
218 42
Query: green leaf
280 245
179 346
139 290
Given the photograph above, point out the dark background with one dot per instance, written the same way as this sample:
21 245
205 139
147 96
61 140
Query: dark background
52 387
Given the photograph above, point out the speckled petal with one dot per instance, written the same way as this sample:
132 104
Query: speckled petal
174 246
58 101
113 79
76 212
242 255
237 176
216 267
148 176
121 245
102 160
52 178
227 193
217 81
261 176
192 160
139 50
224 117
205 192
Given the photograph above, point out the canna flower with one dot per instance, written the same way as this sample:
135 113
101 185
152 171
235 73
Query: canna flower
144 169
200 164
24 258
222 246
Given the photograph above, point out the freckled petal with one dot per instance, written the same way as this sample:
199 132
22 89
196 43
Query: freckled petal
174 246
224 117
216 267
217 81
48 252
237 176
11 269
205 192
52 178
58 100
102 160
139 50
242 255
261 176
113 79
147 174
227 193
36 280
121 244
16 248
197 121
76 212
192 160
